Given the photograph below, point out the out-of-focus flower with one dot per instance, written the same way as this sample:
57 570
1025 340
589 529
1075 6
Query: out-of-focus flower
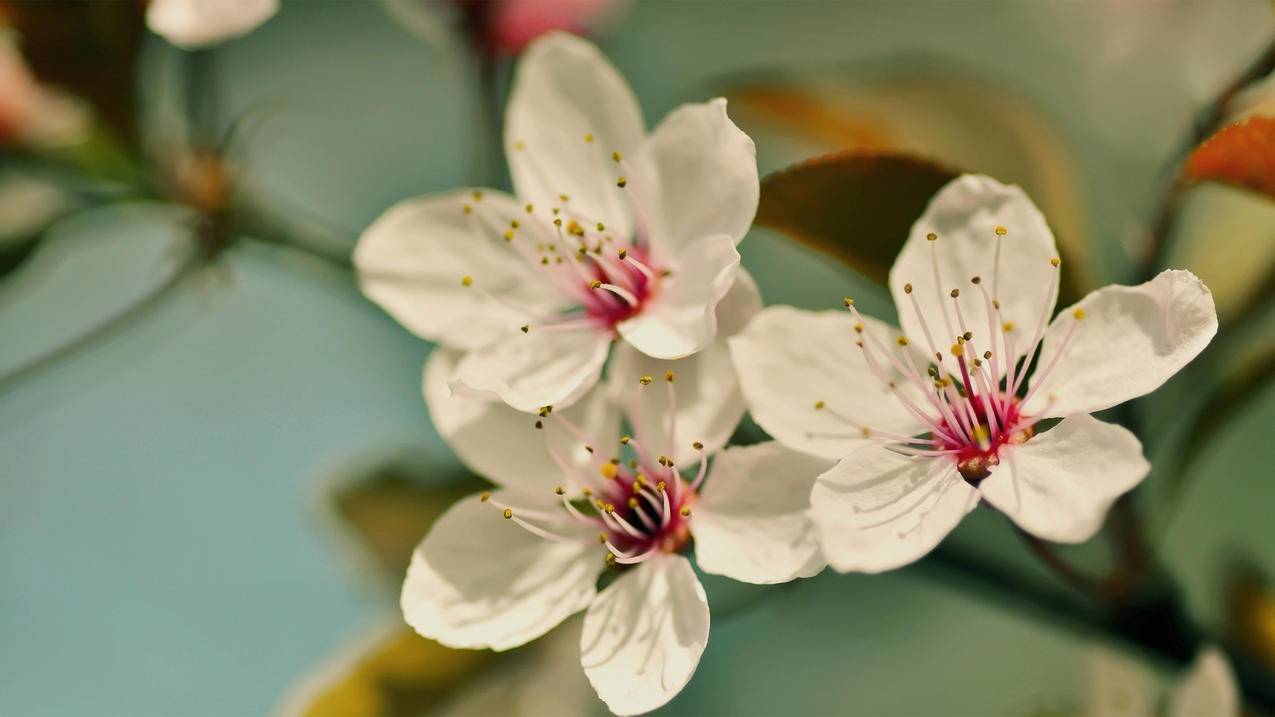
503 568
1118 688
975 285
192 24
498 27
613 233
31 114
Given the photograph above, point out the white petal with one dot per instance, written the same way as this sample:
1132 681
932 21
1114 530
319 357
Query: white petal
695 176
536 369
191 24
1117 687
789 359
480 581
565 90
877 510
1208 690
682 318
1059 485
751 522
964 215
412 261
1132 340
644 634
501 443
739 306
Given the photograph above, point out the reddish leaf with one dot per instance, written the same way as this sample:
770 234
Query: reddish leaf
856 206
1242 155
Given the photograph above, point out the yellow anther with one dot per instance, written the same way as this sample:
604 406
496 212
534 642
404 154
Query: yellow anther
819 405
608 470
544 260
865 431
530 208
509 235
588 138
645 380
621 182
595 284
669 376
520 145
616 156
1079 314
976 280
557 222
858 327
467 280
525 328
601 227
968 335
624 440
633 502
902 340
848 302
1001 231
1055 262
1008 326
564 198
609 508
540 425
478 195
509 513
987 354
602 538
513 224
588 448
486 496
468 209
560 490
996 304
639 478
609 558
932 236
587 492
958 350
555 211
660 487
955 293
981 433
697 446
685 511
624 253
907 288
574 228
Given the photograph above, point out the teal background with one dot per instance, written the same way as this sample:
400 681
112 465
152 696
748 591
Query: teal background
162 545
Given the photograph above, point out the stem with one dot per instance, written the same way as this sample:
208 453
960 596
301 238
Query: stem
1062 568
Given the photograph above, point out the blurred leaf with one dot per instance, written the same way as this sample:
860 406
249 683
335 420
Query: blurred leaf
856 206
391 673
934 108
90 48
1251 615
390 508
1241 154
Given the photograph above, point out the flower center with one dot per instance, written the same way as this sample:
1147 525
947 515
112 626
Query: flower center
607 278
639 506
968 401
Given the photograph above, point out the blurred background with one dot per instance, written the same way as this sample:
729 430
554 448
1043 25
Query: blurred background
205 507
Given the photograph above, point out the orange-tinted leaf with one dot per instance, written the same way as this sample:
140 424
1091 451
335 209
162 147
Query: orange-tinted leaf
1242 155
856 206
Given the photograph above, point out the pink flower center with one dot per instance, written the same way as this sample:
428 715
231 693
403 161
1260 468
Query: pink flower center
968 396
639 507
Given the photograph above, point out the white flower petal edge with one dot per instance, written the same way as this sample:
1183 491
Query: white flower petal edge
1117 687
696 176
752 521
565 90
644 634
501 443
1059 485
877 510
530 371
682 318
964 216
1208 690
418 261
192 24
789 359
1131 340
708 400
477 581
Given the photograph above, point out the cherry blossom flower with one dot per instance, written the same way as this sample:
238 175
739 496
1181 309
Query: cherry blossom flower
32 114
502 568
932 420
193 24
1119 688
613 233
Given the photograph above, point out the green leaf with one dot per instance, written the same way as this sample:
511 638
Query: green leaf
856 206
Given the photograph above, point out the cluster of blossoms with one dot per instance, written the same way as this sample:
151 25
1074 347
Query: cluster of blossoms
599 343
